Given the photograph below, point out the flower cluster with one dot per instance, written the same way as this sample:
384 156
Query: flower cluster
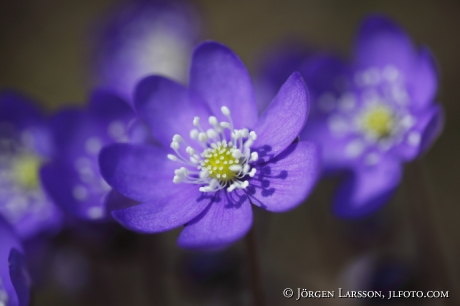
153 154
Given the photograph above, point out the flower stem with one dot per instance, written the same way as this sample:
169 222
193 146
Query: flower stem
432 253
253 267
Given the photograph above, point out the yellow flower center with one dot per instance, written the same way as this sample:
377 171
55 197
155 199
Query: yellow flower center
25 171
218 162
379 121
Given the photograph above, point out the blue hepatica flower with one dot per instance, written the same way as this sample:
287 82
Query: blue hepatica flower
373 115
72 178
144 37
215 156
14 279
25 145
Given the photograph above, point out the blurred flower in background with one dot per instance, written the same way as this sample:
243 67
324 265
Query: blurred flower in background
14 279
72 178
220 166
25 145
372 115
144 37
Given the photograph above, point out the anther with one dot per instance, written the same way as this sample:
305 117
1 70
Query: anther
225 110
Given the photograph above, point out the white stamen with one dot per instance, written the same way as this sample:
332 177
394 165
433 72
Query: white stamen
225 110
172 157
93 145
414 138
211 167
95 212
194 134
79 192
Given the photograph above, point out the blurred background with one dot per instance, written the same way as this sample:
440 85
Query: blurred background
412 244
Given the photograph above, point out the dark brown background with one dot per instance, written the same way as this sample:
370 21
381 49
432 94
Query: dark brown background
44 52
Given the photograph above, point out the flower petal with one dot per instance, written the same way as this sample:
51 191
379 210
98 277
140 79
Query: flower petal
139 172
8 242
429 125
423 82
283 119
19 276
221 78
333 148
106 107
227 219
19 110
367 188
168 108
325 73
85 200
20 117
380 42
276 65
164 213
285 181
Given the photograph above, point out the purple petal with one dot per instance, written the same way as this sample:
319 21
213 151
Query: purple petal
221 78
429 125
107 107
85 200
19 115
325 73
116 201
227 219
423 82
73 129
8 242
380 42
367 188
285 181
19 276
168 108
165 213
276 65
140 38
433 128
19 110
333 148
283 119
139 172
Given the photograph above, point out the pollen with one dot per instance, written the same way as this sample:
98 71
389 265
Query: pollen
25 171
221 162
378 121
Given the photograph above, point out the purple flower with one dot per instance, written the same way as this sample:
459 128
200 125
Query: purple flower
14 279
372 115
215 156
141 38
72 178
25 144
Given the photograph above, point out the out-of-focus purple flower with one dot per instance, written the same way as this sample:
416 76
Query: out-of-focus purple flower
14 279
276 65
144 37
25 145
215 154
372 115
72 178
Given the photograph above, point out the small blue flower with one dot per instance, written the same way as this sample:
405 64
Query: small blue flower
215 156
14 278
72 177
372 115
25 145
144 37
